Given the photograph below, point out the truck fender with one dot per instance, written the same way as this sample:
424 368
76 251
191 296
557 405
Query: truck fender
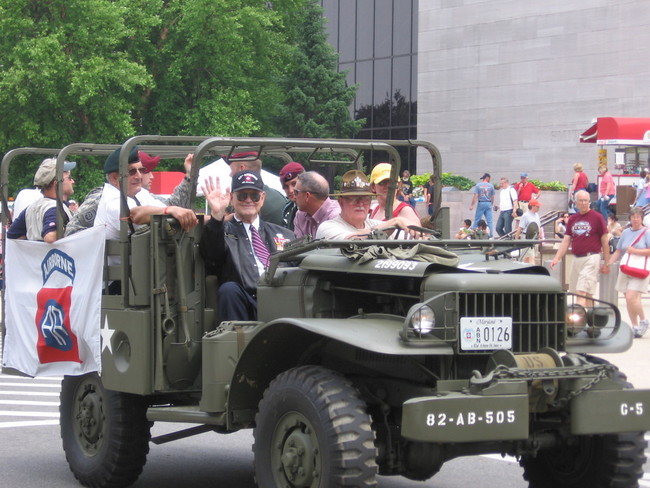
280 344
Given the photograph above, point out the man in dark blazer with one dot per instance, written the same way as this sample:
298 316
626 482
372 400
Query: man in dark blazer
237 250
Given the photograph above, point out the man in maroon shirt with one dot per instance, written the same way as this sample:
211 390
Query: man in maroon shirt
586 233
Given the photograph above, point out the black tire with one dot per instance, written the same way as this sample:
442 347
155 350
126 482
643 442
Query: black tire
105 433
313 431
607 461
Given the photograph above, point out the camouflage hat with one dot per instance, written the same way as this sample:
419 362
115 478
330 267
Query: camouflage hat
354 184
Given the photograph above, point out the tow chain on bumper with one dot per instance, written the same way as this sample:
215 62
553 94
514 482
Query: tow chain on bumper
600 372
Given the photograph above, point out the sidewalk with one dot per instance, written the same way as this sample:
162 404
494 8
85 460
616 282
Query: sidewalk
635 361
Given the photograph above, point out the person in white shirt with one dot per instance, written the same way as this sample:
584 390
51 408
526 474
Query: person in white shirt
531 218
142 206
507 206
27 196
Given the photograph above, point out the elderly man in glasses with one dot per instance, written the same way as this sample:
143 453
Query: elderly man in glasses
238 250
353 222
142 206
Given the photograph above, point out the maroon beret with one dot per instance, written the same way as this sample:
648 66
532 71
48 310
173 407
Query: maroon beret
250 155
149 162
290 171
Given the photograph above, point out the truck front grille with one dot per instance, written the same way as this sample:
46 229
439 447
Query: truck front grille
538 319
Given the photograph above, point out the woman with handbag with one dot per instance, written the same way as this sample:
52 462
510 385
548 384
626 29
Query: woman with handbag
634 274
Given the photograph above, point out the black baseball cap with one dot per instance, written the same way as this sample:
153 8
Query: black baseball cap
247 179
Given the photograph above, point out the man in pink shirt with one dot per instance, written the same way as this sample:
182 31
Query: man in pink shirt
311 193
606 191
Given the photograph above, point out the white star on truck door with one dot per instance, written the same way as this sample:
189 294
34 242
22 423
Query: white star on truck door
107 334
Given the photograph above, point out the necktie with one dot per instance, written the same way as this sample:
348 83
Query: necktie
259 248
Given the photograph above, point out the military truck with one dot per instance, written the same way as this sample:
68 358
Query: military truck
369 357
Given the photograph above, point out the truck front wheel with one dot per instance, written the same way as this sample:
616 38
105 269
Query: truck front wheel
613 460
105 433
312 430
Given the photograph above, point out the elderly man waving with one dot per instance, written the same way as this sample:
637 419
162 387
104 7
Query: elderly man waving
238 249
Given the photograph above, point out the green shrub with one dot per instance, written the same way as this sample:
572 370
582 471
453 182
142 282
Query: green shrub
463 183
420 180
550 186
460 182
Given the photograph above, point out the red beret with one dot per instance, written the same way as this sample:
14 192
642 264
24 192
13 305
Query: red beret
290 171
250 155
147 161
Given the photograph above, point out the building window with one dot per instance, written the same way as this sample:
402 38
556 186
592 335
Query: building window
377 45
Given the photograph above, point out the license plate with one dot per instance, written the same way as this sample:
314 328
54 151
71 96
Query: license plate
482 333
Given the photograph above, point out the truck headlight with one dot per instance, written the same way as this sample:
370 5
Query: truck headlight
599 317
576 318
423 320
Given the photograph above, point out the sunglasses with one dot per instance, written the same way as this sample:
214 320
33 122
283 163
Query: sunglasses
253 195
142 171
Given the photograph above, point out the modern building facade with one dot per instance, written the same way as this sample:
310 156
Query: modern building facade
503 86
377 45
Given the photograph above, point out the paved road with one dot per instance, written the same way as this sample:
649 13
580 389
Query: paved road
30 451
30 447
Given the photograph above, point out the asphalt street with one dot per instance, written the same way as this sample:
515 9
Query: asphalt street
31 453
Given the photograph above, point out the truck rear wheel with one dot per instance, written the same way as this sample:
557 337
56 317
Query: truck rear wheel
613 460
312 430
105 433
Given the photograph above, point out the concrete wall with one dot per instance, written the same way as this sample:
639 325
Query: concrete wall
508 85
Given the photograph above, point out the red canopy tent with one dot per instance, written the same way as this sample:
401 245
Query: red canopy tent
628 131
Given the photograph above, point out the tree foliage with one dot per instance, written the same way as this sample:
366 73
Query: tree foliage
317 96
66 75
64 72
216 67
104 70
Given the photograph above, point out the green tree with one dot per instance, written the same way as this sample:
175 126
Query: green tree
217 65
65 74
317 97
104 70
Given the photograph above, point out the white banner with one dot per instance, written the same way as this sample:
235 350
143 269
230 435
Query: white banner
220 169
53 304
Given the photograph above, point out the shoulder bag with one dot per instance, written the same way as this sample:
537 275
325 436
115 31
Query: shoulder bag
519 212
635 265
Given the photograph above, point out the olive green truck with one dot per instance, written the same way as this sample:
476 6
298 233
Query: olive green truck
369 357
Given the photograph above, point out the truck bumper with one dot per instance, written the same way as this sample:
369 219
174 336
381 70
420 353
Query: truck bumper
608 412
458 417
